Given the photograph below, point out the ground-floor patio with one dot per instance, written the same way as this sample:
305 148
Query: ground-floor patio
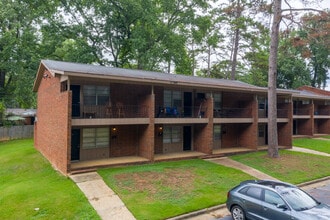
89 165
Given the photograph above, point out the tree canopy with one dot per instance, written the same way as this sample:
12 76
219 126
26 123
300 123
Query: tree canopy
222 39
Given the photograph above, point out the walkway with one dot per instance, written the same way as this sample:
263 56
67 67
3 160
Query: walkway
225 161
106 203
305 150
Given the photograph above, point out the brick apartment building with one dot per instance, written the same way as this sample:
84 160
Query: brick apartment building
93 116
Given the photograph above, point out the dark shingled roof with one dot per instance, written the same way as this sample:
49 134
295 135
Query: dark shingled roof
131 75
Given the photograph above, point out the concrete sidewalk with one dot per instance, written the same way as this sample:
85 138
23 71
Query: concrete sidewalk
305 150
106 203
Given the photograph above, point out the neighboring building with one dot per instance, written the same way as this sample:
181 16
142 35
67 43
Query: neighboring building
311 111
93 116
20 116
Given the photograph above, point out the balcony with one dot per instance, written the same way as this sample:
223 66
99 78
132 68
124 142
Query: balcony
103 111
301 111
232 113
180 112
322 112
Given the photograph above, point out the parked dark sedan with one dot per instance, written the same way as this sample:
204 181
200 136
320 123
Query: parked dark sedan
265 199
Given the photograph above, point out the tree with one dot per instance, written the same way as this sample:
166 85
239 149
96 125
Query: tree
313 40
272 74
19 49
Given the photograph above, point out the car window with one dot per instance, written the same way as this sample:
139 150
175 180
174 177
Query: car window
251 191
273 198
298 199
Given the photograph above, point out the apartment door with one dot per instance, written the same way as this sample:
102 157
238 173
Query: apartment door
187 103
262 135
186 138
75 144
75 100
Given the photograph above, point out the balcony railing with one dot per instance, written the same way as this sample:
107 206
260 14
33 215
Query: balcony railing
301 111
180 112
102 111
232 113
322 112
282 113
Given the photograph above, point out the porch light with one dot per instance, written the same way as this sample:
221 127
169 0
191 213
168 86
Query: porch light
113 132
160 130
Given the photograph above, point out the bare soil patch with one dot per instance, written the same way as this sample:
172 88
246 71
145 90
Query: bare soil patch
176 180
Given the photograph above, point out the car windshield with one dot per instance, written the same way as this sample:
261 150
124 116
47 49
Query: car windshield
298 199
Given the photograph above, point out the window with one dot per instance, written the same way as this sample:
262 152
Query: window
64 86
217 101
95 138
172 134
262 102
172 98
273 198
253 192
96 95
217 132
261 131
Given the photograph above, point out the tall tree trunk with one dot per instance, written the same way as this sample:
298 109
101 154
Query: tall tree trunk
272 75
236 42
209 61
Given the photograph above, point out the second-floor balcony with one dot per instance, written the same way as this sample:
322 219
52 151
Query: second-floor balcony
180 112
232 113
322 112
103 111
301 111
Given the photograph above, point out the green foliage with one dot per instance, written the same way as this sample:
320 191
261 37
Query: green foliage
31 189
313 144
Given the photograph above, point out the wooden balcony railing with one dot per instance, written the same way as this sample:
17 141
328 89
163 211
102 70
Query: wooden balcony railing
301 111
232 113
180 112
322 112
102 111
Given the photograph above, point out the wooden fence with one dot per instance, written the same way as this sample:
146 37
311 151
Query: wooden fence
16 132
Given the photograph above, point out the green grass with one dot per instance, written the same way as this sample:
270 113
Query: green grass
313 144
163 190
293 167
31 189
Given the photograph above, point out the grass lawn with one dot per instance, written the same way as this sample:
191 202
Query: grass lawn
293 167
313 144
163 190
31 189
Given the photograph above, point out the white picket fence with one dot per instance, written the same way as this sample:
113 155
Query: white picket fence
16 132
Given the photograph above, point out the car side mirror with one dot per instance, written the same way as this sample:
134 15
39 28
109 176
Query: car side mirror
282 206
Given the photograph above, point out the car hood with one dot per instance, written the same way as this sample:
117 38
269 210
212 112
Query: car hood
319 212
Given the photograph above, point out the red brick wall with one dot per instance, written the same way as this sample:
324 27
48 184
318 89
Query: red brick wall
284 134
304 127
203 134
125 140
147 138
322 126
53 130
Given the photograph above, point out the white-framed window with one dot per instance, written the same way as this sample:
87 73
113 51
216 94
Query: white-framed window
172 134
217 132
95 138
172 98
96 95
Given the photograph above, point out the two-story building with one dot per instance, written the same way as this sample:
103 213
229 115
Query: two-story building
94 116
